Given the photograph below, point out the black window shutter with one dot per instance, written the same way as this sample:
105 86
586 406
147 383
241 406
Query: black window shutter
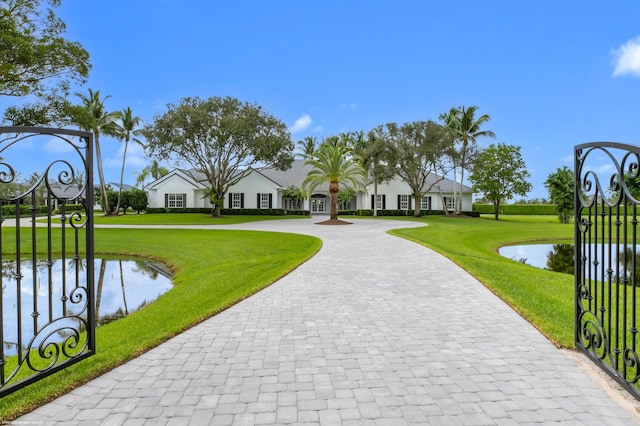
373 206
384 202
270 201
184 200
410 202
258 201
398 201
230 200
242 200
166 200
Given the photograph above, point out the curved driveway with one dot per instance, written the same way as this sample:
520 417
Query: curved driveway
373 330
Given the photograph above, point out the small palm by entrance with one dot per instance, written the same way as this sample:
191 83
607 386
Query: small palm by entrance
333 165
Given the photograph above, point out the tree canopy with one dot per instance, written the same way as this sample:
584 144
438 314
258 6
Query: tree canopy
500 173
35 58
223 138
418 149
560 185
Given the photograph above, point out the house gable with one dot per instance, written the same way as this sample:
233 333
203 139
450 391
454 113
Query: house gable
174 176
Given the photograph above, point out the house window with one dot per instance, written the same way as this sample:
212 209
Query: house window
449 202
176 200
236 200
264 201
425 203
380 203
403 202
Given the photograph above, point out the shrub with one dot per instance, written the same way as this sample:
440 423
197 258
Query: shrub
517 209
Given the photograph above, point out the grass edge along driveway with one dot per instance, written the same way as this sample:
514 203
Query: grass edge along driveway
542 297
213 270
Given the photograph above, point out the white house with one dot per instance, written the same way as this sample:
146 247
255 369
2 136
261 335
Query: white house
265 188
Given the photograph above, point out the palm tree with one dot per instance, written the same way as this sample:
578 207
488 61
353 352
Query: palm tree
467 128
155 170
127 130
308 147
92 116
297 194
331 164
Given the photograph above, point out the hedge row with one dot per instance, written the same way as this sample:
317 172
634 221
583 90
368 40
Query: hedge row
367 212
224 212
517 209
9 210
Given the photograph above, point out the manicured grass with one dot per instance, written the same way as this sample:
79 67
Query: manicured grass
213 270
545 298
181 219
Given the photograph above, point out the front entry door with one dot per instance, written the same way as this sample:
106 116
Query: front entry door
318 205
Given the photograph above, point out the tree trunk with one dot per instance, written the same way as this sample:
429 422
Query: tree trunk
103 186
496 209
124 156
416 209
456 207
333 190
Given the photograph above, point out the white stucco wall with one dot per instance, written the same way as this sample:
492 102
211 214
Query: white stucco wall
176 184
252 185
396 187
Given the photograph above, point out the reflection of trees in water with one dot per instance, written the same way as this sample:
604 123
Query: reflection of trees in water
629 262
9 271
560 258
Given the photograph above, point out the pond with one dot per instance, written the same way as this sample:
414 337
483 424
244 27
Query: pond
559 257
122 287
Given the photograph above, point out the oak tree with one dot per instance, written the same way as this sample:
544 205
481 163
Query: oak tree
222 138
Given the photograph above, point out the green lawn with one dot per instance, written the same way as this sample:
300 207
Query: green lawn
181 219
213 270
545 298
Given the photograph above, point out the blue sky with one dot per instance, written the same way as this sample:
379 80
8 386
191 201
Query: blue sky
551 74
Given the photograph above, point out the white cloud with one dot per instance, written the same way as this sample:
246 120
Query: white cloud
57 146
301 124
627 58
318 129
135 157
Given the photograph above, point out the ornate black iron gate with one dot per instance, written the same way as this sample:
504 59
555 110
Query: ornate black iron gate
46 178
607 262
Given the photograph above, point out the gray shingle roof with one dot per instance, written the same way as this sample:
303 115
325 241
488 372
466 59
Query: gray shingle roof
295 175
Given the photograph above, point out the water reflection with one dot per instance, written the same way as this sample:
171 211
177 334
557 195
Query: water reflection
122 287
559 257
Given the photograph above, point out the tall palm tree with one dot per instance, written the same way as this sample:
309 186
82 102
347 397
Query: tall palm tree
128 129
308 147
466 126
92 116
331 164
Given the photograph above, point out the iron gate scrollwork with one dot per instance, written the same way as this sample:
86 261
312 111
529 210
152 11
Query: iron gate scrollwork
606 258
46 177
